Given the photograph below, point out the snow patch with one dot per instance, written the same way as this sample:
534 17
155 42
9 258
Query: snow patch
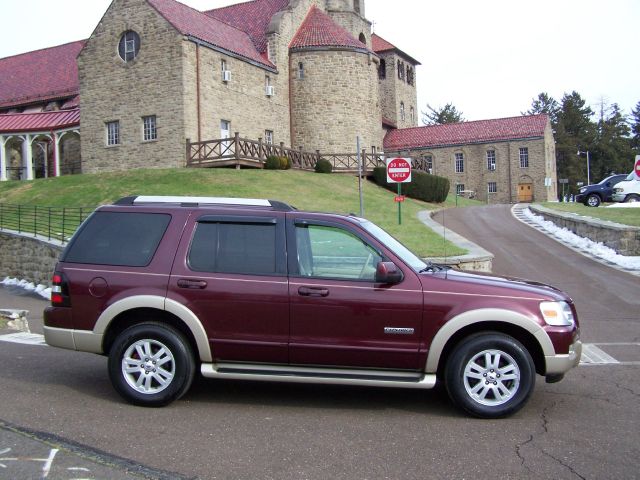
597 249
42 290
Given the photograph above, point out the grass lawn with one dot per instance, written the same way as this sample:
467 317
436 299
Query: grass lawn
307 191
625 216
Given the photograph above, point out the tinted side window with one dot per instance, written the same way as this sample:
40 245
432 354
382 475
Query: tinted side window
116 238
234 248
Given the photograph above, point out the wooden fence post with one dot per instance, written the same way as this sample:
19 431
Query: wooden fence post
188 153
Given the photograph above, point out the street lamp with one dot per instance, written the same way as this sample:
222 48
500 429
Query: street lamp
588 172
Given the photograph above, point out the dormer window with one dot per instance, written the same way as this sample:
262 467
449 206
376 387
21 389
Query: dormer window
129 46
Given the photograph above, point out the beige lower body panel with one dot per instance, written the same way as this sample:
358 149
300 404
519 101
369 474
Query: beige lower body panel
557 364
327 376
81 340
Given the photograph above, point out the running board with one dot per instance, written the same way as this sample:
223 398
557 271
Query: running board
335 376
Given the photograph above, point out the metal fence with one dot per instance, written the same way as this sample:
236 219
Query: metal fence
54 223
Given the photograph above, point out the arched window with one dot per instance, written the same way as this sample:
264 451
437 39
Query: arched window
362 38
300 71
382 70
412 115
402 116
356 6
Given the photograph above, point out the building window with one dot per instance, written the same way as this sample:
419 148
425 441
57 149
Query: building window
113 133
401 70
412 115
225 72
356 6
491 160
492 187
428 162
129 45
524 157
459 162
268 137
410 75
382 70
300 71
149 130
459 188
402 116
268 88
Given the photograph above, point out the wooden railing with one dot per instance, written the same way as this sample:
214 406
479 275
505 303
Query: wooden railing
244 152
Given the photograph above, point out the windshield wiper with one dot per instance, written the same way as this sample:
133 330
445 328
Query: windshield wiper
434 267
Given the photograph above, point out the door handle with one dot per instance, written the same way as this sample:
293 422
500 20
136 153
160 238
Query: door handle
193 284
313 292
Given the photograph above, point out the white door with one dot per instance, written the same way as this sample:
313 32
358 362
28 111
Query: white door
225 132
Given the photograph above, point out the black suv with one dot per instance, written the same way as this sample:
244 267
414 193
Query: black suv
594 195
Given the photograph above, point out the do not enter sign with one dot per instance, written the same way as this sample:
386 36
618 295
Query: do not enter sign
398 170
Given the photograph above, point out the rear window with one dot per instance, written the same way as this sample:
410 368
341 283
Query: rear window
117 238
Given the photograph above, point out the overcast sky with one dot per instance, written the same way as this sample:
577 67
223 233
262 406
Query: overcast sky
489 58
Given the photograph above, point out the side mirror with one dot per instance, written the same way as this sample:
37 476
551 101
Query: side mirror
388 273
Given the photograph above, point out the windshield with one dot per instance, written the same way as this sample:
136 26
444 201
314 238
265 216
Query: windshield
395 246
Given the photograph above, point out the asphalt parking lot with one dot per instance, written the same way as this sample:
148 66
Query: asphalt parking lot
583 427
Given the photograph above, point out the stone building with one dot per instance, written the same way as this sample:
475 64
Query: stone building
505 160
155 74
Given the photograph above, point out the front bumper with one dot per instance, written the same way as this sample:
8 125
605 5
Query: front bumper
580 198
559 364
618 197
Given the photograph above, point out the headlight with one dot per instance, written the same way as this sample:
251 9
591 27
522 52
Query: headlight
583 189
558 314
618 190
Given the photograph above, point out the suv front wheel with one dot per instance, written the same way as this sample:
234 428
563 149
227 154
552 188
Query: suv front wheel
490 375
151 364
592 200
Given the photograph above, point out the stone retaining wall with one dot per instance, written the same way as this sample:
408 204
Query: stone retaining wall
27 257
624 239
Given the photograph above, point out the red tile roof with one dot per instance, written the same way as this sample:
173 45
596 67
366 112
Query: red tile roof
39 122
380 45
319 30
39 76
482 131
251 17
191 22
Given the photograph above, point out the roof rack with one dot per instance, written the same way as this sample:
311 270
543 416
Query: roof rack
197 201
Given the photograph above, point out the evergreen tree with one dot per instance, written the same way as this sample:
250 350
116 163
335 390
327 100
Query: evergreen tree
635 128
574 132
440 116
612 152
544 104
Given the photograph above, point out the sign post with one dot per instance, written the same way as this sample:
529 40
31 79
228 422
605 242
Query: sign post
399 171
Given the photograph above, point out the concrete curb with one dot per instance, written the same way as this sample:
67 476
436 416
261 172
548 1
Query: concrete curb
478 259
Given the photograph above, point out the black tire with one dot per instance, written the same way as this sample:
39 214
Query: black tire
468 376
163 376
593 200
632 198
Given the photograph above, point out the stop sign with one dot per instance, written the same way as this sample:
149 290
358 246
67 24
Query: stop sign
398 170
636 167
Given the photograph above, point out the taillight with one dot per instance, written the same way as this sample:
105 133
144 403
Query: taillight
59 291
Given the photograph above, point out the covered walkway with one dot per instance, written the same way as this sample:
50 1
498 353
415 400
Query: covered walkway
31 144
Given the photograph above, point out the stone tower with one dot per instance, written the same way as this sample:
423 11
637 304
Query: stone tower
350 15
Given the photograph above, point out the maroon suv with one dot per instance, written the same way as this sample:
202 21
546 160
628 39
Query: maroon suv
255 289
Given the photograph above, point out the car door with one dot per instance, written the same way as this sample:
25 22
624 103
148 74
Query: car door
230 271
339 315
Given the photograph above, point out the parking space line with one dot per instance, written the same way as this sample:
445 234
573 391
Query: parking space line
24 338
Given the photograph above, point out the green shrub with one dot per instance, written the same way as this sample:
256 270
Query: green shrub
425 187
272 163
323 166
285 163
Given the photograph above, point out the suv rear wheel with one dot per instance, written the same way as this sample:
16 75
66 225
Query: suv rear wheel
490 375
151 364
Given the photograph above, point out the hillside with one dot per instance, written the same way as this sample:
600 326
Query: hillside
308 191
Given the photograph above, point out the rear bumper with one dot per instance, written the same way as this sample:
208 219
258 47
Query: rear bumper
81 340
559 364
